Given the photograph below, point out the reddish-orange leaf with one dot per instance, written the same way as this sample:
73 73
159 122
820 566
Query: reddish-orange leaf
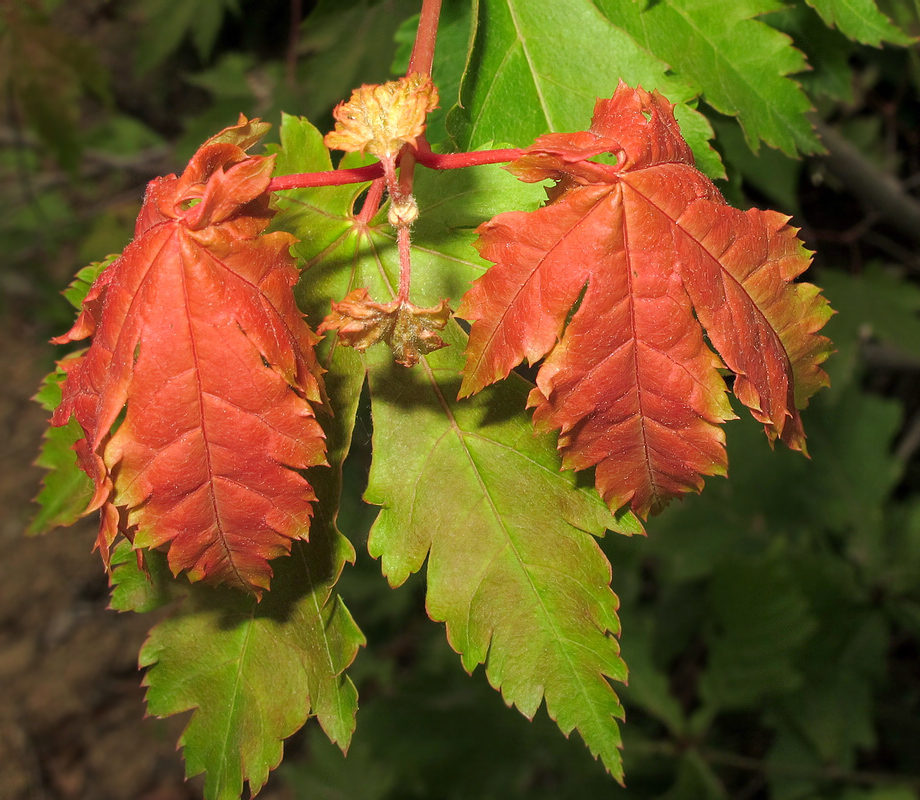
614 282
195 394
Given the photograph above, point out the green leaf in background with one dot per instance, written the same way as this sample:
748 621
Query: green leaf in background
760 620
860 20
740 64
168 22
648 687
66 489
830 79
842 487
347 43
513 567
831 718
843 663
695 781
46 74
540 67
769 171
874 309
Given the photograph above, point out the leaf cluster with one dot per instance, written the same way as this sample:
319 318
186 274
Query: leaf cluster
758 619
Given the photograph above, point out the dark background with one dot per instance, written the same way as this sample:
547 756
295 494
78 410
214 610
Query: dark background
101 96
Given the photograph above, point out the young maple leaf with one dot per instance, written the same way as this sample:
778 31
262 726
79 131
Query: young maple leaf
204 367
648 255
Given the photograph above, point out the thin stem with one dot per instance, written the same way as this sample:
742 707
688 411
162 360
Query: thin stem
389 175
290 66
400 191
406 173
372 201
423 50
424 156
459 160
404 241
333 177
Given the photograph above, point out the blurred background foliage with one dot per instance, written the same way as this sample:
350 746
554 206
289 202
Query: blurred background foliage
771 625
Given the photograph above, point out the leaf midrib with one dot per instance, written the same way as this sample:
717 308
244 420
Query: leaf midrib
557 634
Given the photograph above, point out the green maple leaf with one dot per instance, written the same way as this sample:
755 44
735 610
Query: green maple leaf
860 20
738 63
761 619
513 566
253 672
539 67
66 490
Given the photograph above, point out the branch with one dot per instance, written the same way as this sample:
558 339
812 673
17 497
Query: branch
827 772
878 192
423 52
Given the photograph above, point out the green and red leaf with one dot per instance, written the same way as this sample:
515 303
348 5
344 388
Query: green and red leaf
614 281
196 394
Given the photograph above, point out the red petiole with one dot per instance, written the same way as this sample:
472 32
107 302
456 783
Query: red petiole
423 156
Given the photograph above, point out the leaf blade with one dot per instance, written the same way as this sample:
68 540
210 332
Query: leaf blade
538 86
422 433
196 334
740 64
532 602
611 282
861 20
257 670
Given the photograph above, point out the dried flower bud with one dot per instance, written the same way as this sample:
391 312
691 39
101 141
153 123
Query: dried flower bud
380 118
407 329
403 212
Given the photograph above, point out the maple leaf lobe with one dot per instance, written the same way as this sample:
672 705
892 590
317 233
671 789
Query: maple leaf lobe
613 284
196 394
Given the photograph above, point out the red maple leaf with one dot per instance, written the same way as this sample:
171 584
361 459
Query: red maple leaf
195 394
615 280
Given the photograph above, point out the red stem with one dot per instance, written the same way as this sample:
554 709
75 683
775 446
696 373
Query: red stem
423 50
334 177
406 177
427 158
371 172
404 240
372 201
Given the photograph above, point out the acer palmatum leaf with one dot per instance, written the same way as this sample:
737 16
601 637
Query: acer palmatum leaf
648 255
198 343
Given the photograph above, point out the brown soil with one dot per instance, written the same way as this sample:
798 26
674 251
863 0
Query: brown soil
72 714
72 722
